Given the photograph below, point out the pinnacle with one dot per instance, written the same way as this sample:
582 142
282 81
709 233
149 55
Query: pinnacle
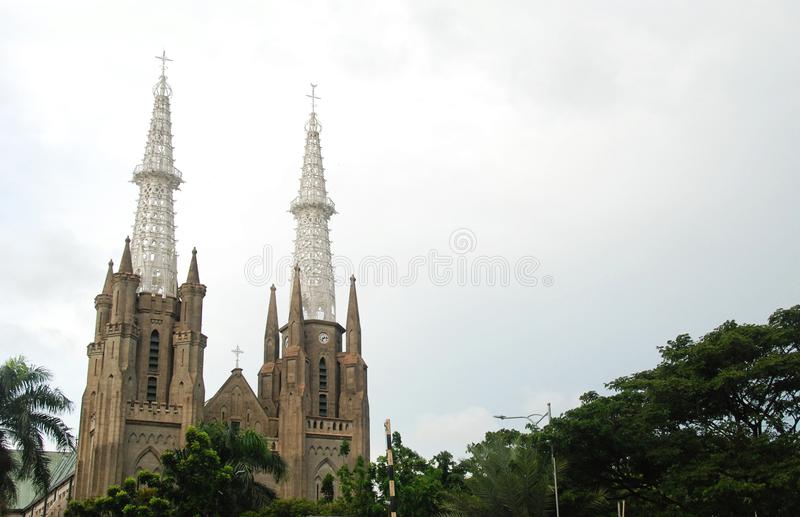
194 276
125 265
296 307
107 285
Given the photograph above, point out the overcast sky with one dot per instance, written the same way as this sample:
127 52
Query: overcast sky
636 161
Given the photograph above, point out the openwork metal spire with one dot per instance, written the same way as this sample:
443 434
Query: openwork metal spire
153 245
312 209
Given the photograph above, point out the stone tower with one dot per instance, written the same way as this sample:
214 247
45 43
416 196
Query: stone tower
312 386
144 383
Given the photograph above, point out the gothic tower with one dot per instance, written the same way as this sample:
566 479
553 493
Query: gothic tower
144 382
312 389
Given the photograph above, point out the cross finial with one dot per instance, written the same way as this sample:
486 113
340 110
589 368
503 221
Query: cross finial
237 352
313 98
163 57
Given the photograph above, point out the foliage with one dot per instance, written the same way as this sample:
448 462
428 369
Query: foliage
358 497
141 496
418 483
194 482
201 483
510 474
327 488
212 475
247 453
296 508
27 414
712 430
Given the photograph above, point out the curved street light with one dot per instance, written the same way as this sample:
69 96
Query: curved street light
535 423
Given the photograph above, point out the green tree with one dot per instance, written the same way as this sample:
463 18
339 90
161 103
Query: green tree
420 484
327 488
201 483
28 409
712 430
358 497
195 482
247 453
141 496
510 474
296 508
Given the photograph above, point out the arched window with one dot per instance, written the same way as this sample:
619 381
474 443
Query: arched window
323 404
152 363
151 389
323 375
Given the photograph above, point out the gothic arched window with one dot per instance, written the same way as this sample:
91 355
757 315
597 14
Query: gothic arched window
151 389
152 363
323 404
323 375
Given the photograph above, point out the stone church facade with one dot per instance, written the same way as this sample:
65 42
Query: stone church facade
144 384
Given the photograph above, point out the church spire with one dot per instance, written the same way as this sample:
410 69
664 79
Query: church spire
271 333
109 283
194 276
312 209
153 247
353 321
296 321
125 265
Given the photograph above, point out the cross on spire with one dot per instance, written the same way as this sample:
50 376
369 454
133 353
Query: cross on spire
313 98
163 57
237 352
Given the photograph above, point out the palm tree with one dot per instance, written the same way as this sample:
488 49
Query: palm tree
248 452
27 414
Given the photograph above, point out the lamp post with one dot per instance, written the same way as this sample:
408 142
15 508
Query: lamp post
535 423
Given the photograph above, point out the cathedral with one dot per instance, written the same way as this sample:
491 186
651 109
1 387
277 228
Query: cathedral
144 384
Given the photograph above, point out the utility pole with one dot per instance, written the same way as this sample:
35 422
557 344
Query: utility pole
387 425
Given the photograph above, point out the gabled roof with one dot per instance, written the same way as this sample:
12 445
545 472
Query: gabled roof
235 378
62 467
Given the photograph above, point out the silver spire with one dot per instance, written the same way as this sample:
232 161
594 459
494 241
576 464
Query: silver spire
153 245
312 208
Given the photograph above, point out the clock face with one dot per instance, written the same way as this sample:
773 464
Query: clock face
323 337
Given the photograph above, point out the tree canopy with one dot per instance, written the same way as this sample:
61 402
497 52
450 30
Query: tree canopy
711 430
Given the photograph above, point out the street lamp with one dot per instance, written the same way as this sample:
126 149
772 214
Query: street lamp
535 423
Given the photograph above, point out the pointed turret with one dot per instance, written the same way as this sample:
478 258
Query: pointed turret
188 347
269 374
271 333
123 286
102 303
296 321
125 265
153 244
312 208
109 283
194 276
191 295
353 321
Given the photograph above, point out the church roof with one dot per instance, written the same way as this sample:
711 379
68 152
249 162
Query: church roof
62 467
234 379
